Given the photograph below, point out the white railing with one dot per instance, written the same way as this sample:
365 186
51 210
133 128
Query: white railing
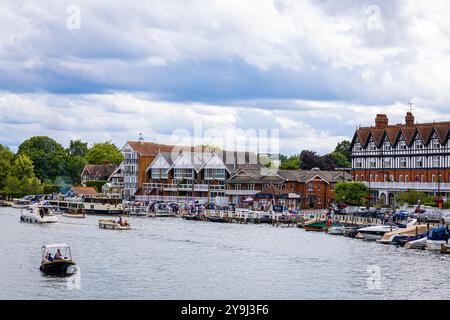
420 186
169 198
182 187
241 192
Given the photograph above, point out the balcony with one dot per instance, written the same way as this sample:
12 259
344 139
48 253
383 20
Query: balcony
241 192
182 187
403 186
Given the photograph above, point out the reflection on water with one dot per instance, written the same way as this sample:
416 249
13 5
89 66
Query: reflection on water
169 258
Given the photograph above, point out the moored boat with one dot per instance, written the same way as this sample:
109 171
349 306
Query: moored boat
194 217
75 213
57 260
420 243
376 232
315 225
351 232
114 225
38 214
336 228
436 237
400 236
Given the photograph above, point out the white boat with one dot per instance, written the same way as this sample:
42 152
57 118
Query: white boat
417 244
137 211
113 225
75 213
38 214
376 232
436 237
336 229
395 236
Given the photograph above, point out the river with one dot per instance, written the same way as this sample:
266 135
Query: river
170 258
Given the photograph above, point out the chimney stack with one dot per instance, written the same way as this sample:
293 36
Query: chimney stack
409 119
381 121
106 162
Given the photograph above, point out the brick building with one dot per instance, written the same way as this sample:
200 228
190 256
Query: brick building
400 157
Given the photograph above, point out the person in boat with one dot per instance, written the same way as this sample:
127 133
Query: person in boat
58 254
49 257
120 221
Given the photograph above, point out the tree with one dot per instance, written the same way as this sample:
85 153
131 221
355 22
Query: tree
48 156
12 187
309 160
74 167
413 197
293 162
30 186
327 162
77 148
340 159
344 148
104 151
6 157
352 193
23 167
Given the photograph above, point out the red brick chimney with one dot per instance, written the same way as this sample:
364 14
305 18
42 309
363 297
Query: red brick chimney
381 121
106 162
409 119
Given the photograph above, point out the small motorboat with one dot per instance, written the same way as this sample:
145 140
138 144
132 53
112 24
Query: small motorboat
38 214
376 232
420 243
400 236
220 219
336 228
57 260
114 225
75 213
315 225
436 237
351 232
193 217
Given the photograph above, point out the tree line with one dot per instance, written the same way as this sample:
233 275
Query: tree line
308 159
42 165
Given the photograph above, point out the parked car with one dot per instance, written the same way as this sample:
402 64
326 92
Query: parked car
433 214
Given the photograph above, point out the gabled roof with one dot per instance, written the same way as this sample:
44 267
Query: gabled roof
99 170
408 132
85 191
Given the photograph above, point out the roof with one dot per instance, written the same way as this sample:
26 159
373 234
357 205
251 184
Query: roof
87 191
55 245
99 170
423 131
147 148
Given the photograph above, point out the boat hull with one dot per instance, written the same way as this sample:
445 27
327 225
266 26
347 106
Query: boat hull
416 244
28 218
217 219
59 268
111 225
434 245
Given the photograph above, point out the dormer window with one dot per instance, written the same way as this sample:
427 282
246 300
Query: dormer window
372 146
436 144
387 146
357 147
419 144
403 145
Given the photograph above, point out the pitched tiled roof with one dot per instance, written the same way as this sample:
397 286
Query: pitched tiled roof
85 191
393 132
99 170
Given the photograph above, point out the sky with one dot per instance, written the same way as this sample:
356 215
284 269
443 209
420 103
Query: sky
303 73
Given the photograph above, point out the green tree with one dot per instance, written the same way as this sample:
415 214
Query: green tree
352 193
340 159
77 148
48 156
292 162
31 186
12 187
74 167
412 197
104 151
6 157
344 148
23 167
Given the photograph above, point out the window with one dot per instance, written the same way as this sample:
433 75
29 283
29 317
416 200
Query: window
333 186
218 174
402 145
419 144
372 163
159 173
180 174
403 162
310 186
436 162
372 146
387 146
357 147
387 163
419 162
237 187
358 163
400 178
406 178
436 144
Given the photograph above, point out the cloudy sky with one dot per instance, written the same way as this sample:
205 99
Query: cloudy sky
311 70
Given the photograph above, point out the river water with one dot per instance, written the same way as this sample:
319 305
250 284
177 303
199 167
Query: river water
170 258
